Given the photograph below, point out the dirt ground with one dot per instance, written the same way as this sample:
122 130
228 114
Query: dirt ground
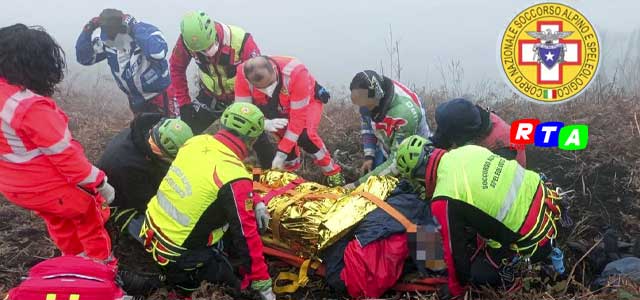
605 178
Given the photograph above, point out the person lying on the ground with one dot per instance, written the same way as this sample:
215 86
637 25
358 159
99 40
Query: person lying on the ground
137 55
509 207
390 112
44 169
377 248
206 194
460 122
292 101
136 160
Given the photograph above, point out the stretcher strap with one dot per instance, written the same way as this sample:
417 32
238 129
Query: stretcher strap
408 225
259 187
287 189
297 280
271 193
322 196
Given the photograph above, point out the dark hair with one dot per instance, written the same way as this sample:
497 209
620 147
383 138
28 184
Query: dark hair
362 80
31 58
112 22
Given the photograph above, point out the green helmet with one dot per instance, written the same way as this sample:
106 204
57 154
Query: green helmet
170 134
198 31
410 152
243 118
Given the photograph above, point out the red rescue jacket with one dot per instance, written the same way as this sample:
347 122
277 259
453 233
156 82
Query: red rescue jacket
499 138
296 90
181 57
37 151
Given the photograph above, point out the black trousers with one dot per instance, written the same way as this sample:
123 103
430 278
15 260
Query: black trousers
199 118
463 223
487 266
195 266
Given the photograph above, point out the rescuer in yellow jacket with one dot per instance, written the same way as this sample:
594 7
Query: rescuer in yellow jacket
509 207
206 194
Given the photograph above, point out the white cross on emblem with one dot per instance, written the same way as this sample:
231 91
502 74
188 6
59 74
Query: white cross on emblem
528 55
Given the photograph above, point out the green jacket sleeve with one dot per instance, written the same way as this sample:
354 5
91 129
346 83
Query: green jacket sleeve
400 132
386 168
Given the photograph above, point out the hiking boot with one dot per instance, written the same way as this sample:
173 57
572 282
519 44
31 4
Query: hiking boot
137 284
336 180
225 273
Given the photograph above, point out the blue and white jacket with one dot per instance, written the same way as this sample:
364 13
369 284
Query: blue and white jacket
138 60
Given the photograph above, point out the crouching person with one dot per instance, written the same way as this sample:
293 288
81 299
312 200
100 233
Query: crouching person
461 122
290 97
390 112
509 207
136 160
206 194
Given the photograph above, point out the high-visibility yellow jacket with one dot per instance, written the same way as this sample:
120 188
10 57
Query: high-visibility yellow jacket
217 73
498 198
206 188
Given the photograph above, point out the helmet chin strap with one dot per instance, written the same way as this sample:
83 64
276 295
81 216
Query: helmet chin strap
420 170
156 149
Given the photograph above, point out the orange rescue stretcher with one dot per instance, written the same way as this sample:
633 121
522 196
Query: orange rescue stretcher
428 284
308 266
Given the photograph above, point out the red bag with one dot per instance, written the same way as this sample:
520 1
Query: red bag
69 278
372 270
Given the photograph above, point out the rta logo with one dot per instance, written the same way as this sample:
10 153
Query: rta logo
549 134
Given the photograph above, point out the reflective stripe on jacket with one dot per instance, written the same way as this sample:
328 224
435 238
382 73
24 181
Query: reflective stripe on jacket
296 92
501 188
218 72
191 185
138 60
37 151
206 188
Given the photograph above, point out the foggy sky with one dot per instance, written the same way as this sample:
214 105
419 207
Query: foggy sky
336 38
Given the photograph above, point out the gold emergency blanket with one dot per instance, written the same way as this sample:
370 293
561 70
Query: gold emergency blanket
310 216
276 179
351 209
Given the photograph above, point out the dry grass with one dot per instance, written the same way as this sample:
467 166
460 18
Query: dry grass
605 178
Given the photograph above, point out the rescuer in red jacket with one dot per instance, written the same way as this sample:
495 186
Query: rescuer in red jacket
292 103
217 49
43 168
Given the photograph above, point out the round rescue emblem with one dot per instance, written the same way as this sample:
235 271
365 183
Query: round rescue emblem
549 52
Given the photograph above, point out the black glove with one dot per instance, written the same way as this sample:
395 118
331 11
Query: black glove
92 25
321 93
